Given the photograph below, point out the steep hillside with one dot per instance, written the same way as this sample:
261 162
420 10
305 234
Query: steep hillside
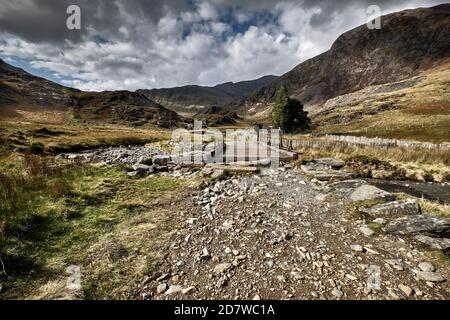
123 107
24 97
408 43
191 99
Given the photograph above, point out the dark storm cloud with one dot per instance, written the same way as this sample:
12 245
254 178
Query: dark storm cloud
45 20
130 44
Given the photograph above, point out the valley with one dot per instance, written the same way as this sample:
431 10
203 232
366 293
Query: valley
358 208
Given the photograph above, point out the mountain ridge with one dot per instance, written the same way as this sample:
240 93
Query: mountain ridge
195 98
408 42
25 97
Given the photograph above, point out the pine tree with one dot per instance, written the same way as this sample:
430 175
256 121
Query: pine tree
288 114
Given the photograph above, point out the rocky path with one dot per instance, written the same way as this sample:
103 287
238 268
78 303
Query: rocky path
282 235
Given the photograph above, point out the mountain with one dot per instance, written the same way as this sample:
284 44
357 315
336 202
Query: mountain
24 97
368 64
192 99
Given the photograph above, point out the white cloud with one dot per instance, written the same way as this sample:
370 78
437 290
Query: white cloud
187 47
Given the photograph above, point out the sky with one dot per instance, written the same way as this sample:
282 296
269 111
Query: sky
144 44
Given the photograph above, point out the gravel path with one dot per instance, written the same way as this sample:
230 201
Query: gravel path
279 235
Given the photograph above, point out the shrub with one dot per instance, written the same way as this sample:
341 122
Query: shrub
37 148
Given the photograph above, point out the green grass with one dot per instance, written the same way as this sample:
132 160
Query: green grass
95 217
73 138
377 228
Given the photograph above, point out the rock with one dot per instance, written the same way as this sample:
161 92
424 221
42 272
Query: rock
174 290
393 209
430 276
222 282
392 295
368 192
188 290
434 243
418 223
321 197
163 277
146 160
337 293
406 290
140 167
134 174
348 184
162 288
261 162
351 277
205 254
222 268
357 248
331 162
256 298
366 231
207 171
379 221
426 266
397 264
333 176
306 168
161 160
218 175
159 169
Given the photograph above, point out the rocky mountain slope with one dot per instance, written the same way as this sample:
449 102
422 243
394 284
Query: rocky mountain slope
24 97
408 44
195 98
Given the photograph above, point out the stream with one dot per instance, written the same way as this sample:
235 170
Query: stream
430 191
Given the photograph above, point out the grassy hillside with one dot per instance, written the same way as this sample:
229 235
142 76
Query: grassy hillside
57 138
418 112
54 214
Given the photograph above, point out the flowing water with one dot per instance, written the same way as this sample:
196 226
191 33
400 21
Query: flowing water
429 191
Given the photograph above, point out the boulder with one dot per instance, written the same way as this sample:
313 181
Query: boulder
368 192
430 276
147 160
218 175
418 223
261 162
331 162
141 170
207 171
348 184
393 209
333 176
161 160
141 167
160 169
434 243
